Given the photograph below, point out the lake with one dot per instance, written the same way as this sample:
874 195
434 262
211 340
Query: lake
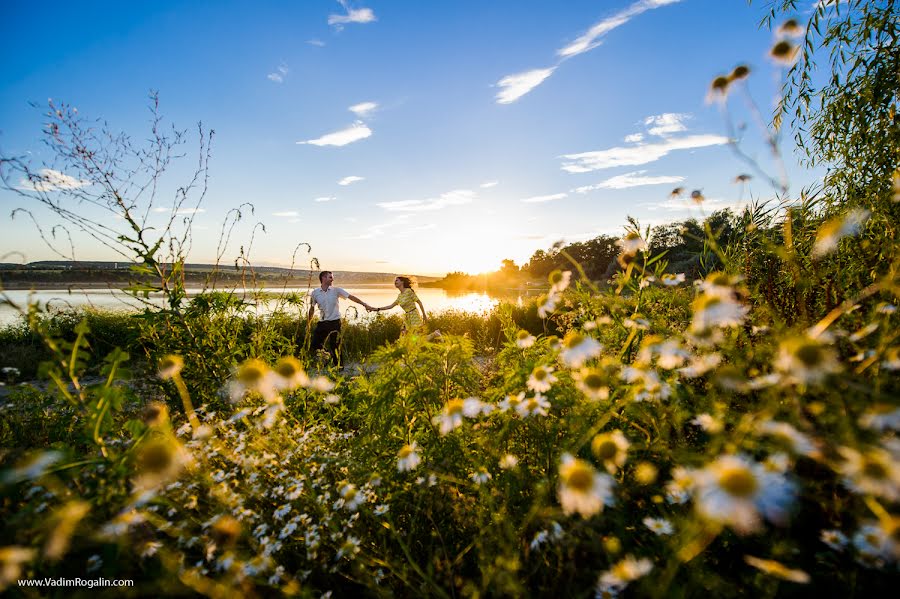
435 300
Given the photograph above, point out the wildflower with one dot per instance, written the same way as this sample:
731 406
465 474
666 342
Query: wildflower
733 490
629 569
832 231
611 449
541 379
456 410
871 472
742 178
321 384
349 548
381 509
352 496
480 476
798 442
592 382
578 348
834 539
170 366
407 458
878 541
331 399
669 353
282 511
636 322
805 361
660 526
581 488
716 311
698 196
158 462
709 423
546 304
777 569
791 28
700 365
537 405
66 519
524 339
678 489
645 473
253 376
670 280
784 52
289 374
631 244
677 192
651 386
509 461
881 417
559 280
718 91
511 402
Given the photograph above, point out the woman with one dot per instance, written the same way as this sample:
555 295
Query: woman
408 301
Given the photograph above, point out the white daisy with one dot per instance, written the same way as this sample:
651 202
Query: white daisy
871 472
832 231
559 280
660 526
803 360
593 383
511 402
407 458
536 405
541 379
352 496
581 488
614 580
524 339
798 442
578 348
480 476
611 449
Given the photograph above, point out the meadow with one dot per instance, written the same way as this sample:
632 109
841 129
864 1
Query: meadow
729 432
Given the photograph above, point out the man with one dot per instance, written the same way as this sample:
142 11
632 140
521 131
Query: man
328 329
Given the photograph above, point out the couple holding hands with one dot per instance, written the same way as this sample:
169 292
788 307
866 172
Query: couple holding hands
326 296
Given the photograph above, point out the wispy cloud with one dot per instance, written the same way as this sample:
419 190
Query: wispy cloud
363 108
287 214
688 205
634 138
325 199
667 123
350 180
279 74
316 42
489 184
451 198
591 38
358 15
547 198
379 229
515 86
586 162
48 179
635 179
354 132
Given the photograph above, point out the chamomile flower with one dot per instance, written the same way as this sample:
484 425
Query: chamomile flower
593 383
669 353
509 461
870 472
709 423
803 360
289 374
352 496
611 449
524 339
541 379
546 304
700 365
626 571
458 409
712 311
408 458
578 348
321 384
834 539
252 376
670 280
511 402
877 541
480 476
797 441
650 386
170 366
678 490
832 231
632 243
559 280
581 488
349 548
881 417
536 405
735 491
660 526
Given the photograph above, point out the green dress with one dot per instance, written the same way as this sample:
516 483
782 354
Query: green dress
407 301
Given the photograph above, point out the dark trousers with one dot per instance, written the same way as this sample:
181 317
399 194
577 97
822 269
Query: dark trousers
326 335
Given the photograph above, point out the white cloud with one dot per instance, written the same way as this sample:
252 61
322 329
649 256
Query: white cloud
325 199
48 179
517 85
363 108
591 38
350 180
586 162
666 123
687 205
451 198
354 132
289 213
278 75
547 198
489 184
634 138
379 229
635 179
359 15
316 42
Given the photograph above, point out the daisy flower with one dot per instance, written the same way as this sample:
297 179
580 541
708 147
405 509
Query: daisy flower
678 490
881 417
524 339
578 348
581 488
670 280
711 311
407 458
798 442
253 376
559 280
632 243
700 365
734 490
877 541
289 374
541 379
352 496
480 476
592 382
511 402
546 304
708 422
806 361
509 461
611 449
537 405
659 526
458 409
834 539
614 580
832 231
872 472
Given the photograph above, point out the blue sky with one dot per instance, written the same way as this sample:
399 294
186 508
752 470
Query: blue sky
406 137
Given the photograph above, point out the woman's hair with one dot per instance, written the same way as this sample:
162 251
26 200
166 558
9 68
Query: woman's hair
407 282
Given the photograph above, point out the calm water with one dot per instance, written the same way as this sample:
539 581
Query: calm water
435 300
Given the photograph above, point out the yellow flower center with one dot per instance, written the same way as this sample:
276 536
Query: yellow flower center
454 406
738 481
404 453
252 372
513 400
810 354
156 458
579 477
288 367
604 448
556 277
522 335
874 469
573 339
593 380
540 374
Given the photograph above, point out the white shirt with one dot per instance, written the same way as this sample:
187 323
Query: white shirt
327 301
